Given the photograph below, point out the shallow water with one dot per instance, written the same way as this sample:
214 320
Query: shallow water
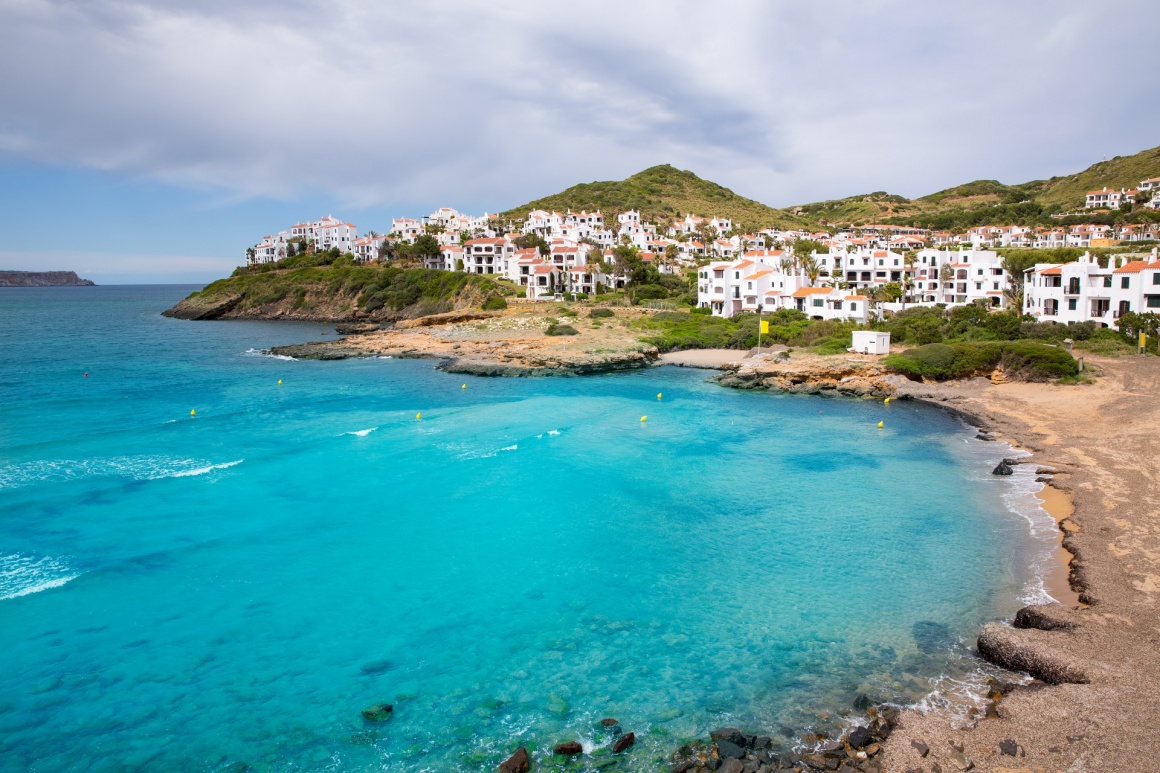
187 593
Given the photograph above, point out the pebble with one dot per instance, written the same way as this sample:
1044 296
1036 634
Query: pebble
921 748
1009 747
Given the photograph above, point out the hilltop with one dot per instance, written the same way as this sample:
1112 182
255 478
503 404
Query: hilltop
43 279
662 193
986 201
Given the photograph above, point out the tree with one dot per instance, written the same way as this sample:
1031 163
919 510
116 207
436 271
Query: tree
810 268
524 241
891 292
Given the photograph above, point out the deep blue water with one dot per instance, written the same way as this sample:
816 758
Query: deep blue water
186 592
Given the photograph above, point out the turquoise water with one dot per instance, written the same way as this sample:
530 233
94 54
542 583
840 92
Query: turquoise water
187 593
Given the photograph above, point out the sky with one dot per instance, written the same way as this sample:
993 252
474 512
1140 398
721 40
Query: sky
153 141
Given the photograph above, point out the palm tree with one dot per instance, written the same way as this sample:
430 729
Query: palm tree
809 265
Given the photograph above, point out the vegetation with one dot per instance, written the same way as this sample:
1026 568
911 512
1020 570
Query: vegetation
601 313
556 329
1025 360
661 194
495 303
992 202
329 285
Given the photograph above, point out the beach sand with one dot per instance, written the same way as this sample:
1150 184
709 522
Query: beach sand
702 358
1103 442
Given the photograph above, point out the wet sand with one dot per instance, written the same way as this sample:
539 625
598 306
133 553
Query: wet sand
1058 505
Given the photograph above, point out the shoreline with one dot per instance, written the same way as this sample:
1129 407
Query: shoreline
1089 648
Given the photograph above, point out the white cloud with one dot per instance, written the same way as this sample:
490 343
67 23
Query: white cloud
486 105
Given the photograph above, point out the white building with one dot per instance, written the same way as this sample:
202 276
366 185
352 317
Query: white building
1082 291
973 275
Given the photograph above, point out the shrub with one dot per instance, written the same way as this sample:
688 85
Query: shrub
601 313
650 293
1023 360
702 310
833 346
495 303
568 313
561 330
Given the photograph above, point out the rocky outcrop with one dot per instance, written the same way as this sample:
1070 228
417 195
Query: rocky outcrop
1018 650
446 318
43 279
380 712
569 749
197 307
519 762
812 374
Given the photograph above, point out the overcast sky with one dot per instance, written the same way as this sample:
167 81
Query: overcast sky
156 140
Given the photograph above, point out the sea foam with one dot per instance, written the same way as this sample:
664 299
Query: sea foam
21 575
131 467
361 432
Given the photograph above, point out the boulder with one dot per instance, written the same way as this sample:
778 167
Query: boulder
728 750
624 742
731 766
731 734
1002 469
609 722
380 712
517 763
859 737
1008 747
569 748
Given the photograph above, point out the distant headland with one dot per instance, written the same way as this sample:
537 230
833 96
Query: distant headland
43 279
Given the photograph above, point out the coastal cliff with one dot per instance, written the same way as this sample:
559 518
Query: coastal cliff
43 279
337 293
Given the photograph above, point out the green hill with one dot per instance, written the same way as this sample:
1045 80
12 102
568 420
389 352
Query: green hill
662 193
987 202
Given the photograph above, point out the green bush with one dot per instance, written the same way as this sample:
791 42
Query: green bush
601 313
495 303
561 330
1023 360
702 310
650 292
568 313
833 346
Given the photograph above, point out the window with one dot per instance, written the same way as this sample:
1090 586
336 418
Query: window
853 307
1124 282
1071 304
1154 301
1156 279
819 302
1107 281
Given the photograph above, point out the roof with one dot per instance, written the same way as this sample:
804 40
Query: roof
759 273
543 268
806 292
1134 267
1052 271
857 298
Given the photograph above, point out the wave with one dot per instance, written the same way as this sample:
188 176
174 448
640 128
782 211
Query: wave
553 432
361 432
140 468
510 448
21 575
267 353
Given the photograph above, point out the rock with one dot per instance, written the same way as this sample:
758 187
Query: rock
517 763
859 737
935 768
1008 747
921 748
1014 649
815 761
625 741
380 712
862 702
762 742
569 748
727 749
1011 462
731 766
681 767
731 734
356 328
609 722
872 749
1002 469
932 637
1041 618
959 760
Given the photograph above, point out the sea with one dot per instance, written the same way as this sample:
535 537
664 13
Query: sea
212 559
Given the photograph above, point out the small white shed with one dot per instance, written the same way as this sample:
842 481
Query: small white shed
871 342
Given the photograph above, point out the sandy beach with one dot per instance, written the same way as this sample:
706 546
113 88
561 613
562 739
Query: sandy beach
1101 441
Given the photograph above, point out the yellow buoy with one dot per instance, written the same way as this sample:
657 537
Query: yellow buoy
880 424
192 413
886 401
279 382
644 418
463 387
658 395
418 415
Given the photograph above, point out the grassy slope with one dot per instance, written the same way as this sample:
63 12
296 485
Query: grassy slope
662 193
1055 195
330 292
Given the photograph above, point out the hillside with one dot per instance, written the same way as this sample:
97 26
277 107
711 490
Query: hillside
987 201
662 193
337 294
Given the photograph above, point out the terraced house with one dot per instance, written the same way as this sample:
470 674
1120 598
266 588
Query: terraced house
1084 291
